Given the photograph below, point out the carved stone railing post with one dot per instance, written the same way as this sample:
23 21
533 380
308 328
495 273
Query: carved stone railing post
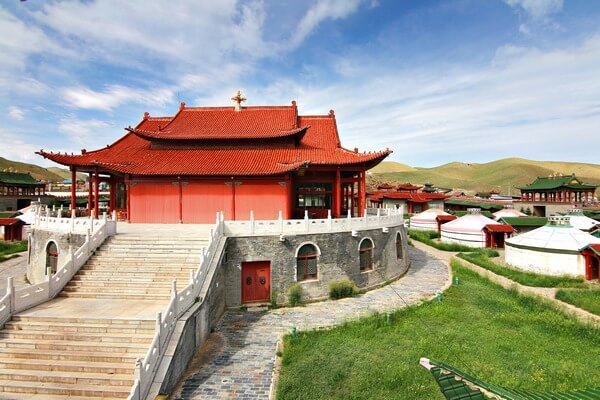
10 290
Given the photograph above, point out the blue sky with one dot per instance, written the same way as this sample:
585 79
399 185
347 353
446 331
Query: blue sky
436 81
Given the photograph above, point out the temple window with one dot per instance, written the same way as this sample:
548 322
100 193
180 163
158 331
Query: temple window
365 250
306 262
399 249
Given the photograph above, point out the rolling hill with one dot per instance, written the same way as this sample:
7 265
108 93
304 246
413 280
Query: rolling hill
503 175
36 171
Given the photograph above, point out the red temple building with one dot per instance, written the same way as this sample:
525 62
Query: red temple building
265 159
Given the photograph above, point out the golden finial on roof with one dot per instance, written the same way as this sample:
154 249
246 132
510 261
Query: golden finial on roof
238 99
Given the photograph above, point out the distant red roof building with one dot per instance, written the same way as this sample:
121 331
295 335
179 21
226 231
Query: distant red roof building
202 160
414 202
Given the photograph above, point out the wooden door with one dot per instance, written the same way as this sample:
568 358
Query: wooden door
256 281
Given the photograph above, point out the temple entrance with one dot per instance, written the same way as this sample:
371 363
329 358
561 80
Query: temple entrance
256 281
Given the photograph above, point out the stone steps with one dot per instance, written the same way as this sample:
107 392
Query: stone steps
20 388
83 295
76 336
70 355
80 327
79 346
34 364
55 357
166 290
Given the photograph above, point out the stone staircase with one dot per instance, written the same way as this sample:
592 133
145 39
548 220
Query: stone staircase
84 343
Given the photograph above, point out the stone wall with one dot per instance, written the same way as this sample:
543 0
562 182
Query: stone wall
338 259
196 325
38 241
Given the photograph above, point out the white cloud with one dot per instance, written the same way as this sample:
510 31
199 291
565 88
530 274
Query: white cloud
114 96
190 32
537 14
84 132
323 10
537 9
526 102
16 113
16 148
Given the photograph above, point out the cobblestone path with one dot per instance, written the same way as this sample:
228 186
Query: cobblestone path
242 365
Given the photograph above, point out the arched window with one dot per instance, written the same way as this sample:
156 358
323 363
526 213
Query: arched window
51 257
366 254
399 250
306 262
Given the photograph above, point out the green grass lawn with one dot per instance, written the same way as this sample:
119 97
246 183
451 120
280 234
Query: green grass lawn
522 277
480 328
589 300
428 237
7 249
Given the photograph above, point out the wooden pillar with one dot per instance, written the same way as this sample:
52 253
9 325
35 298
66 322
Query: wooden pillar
96 193
362 194
337 201
128 196
90 184
112 194
73 187
352 196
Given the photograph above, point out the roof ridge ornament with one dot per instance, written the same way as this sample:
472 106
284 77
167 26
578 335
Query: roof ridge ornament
238 99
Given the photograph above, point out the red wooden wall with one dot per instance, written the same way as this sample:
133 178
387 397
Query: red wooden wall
154 202
159 201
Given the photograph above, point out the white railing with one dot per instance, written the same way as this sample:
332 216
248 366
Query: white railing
145 369
384 217
17 300
45 220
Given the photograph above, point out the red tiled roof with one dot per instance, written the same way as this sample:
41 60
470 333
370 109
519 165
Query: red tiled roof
418 197
408 186
224 123
499 228
134 154
9 221
385 186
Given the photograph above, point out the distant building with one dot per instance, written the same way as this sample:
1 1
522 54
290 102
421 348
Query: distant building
475 230
556 248
412 198
18 190
427 220
555 194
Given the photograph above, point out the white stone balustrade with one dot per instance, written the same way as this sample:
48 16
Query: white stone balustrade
17 300
382 218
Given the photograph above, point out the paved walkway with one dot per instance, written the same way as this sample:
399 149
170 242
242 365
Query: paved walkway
15 267
238 360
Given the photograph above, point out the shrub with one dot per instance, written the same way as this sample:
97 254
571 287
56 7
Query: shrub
274 295
295 294
342 288
491 253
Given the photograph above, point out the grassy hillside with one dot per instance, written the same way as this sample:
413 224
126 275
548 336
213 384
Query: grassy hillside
65 173
36 171
499 175
391 166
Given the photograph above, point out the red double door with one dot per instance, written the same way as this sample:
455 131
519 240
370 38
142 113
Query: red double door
256 281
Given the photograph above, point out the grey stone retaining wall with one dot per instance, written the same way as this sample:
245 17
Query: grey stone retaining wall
339 259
